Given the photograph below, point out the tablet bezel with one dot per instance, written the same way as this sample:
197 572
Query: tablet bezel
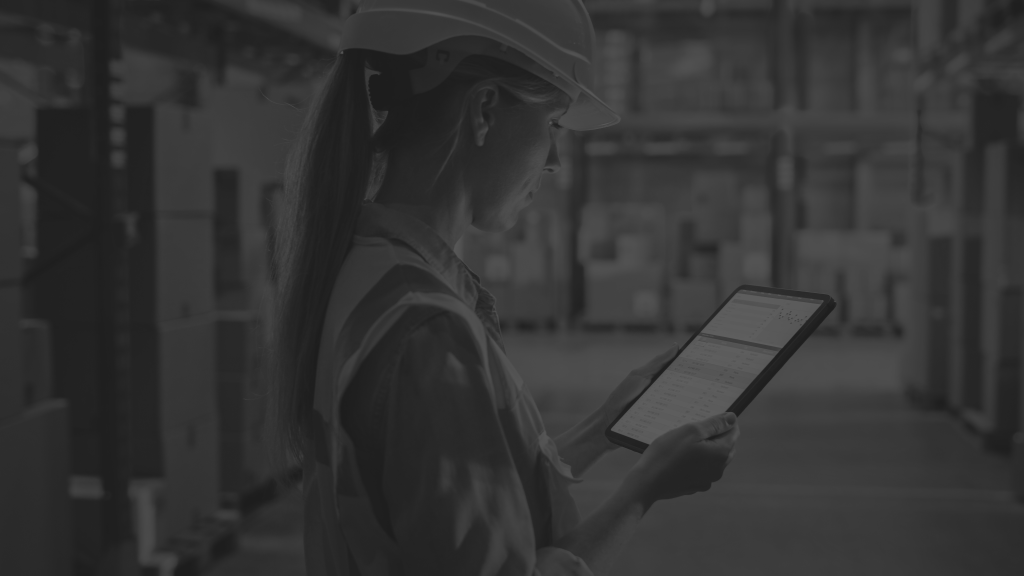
761 380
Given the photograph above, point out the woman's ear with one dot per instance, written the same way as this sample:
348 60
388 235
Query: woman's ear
483 104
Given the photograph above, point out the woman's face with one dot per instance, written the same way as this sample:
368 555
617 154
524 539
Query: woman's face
504 173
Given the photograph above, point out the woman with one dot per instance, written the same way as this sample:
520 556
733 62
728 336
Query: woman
422 452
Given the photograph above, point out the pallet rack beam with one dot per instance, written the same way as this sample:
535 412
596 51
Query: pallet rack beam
802 121
274 38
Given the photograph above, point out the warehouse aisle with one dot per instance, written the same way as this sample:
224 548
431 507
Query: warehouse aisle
835 474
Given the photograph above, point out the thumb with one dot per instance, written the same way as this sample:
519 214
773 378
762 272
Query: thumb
715 425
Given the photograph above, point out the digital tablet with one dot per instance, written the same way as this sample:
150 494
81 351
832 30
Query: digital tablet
725 364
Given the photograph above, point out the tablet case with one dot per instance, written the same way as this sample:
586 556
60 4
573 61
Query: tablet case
761 380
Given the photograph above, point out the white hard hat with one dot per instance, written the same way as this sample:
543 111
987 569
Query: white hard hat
553 39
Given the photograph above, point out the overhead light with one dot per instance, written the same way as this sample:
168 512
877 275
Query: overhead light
707 8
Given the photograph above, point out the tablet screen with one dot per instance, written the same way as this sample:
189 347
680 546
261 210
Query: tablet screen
718 364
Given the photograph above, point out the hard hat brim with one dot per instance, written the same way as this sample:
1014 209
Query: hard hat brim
587 112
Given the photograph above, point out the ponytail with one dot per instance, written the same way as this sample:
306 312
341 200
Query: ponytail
326 180
327 177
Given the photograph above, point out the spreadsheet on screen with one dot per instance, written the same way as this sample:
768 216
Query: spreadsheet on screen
720 362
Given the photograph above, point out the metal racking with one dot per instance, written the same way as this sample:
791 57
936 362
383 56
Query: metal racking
969 291
77 51
830 135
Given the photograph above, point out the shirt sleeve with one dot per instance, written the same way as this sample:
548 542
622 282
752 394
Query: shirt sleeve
454 498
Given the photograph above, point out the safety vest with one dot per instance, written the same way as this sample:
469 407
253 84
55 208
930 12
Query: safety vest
396 263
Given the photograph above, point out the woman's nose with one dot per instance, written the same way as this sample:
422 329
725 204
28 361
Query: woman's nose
553 164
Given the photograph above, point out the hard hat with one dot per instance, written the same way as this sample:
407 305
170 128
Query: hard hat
553 39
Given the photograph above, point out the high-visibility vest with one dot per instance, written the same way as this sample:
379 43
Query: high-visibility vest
381 280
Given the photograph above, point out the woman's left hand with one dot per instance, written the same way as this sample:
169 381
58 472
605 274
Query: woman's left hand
632 386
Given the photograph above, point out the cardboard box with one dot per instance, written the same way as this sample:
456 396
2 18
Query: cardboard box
184 267
1003 291
624 296
12 383
882 198
755 198
191 489
730 268
242 394
692 302
187 372
183 173
36 522
757 267
37 354
756 231
715 197
10 215
681 244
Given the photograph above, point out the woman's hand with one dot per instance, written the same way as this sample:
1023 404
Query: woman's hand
685 460
631 387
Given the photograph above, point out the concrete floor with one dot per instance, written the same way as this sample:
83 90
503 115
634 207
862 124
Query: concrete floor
835 474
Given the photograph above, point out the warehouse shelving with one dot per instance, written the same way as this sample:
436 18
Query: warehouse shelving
822 143
203 62
968 352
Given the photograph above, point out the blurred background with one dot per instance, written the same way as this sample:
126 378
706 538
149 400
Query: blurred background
864 148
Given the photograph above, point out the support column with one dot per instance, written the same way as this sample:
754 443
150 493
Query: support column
111 229
783 169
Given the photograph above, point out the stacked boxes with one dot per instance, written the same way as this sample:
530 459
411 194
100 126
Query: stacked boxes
1003 291
756 230
820 255
174 420
866 274
830 67
828 196
724 241
519 267
693 286
34 524
727 70
183 248
892 45
621 246
38 361
852 265
12 392
882 201
967 293
615 68
715 200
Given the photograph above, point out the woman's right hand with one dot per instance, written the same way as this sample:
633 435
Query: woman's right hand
685 460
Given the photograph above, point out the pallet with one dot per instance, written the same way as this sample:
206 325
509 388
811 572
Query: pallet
626 327
199 547
247 501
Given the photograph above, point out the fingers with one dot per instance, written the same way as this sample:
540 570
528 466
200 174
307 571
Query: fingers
715 425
